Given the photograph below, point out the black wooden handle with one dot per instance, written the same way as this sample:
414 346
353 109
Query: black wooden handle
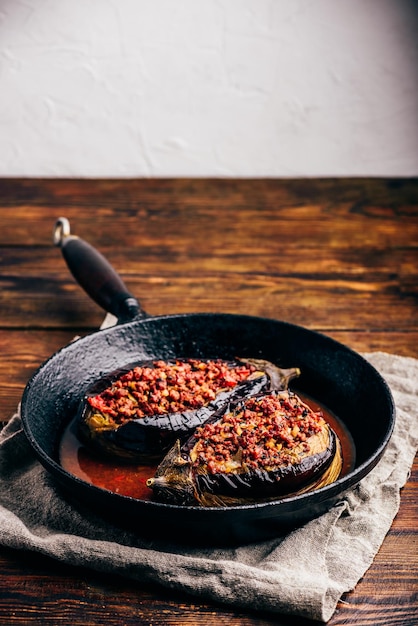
95 274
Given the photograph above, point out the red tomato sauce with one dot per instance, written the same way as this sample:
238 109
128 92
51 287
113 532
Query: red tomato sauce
124 479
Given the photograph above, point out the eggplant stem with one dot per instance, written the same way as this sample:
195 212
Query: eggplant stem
279 378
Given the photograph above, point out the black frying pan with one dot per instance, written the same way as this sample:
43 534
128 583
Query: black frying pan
331 373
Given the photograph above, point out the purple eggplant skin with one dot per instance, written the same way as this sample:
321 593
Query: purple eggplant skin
146 440
265 483
176 481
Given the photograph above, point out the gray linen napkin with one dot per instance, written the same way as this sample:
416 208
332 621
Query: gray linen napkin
303 573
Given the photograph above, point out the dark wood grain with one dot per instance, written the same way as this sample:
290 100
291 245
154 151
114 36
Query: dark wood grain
339 256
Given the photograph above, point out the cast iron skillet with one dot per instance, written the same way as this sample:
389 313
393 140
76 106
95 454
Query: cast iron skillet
332 373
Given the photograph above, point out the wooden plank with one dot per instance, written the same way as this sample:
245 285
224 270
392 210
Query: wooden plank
377 197
247 212
317 304
166 259
193 230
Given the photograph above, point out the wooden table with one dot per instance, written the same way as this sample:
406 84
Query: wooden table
338 256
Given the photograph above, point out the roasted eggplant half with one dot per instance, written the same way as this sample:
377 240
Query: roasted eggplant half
137 413
265 446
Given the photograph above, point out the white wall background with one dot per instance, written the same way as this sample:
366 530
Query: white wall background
131 88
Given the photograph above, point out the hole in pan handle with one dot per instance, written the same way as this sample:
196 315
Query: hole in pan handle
95 274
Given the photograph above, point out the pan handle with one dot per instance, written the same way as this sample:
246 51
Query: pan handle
95 274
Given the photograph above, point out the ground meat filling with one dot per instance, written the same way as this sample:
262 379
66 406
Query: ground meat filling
261 434
167 388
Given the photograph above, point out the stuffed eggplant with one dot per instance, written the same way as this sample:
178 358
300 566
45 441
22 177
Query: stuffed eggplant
137 413
266 446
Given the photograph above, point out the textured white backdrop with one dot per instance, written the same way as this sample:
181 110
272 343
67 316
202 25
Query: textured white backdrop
208 87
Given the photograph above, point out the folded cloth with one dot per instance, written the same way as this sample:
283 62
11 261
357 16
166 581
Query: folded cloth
303 573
